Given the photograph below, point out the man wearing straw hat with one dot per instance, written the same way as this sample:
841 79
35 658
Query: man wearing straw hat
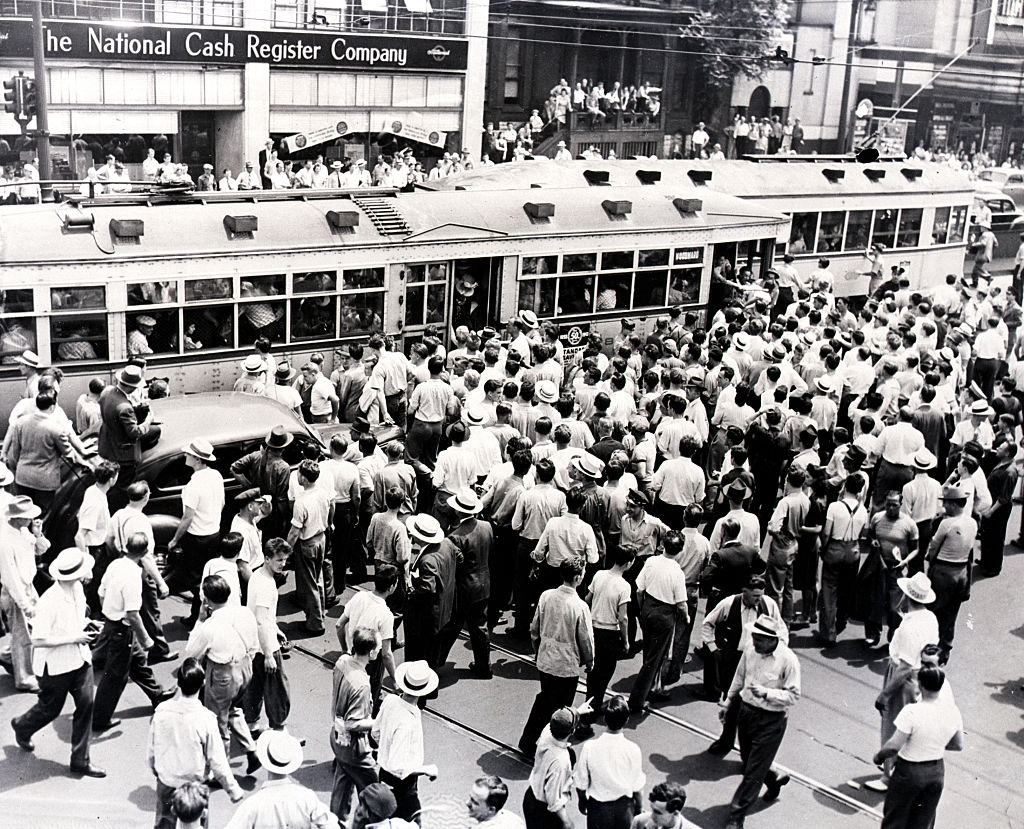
252 379
921 503
18 548
432 600
281 801
950 556
61 636
917 629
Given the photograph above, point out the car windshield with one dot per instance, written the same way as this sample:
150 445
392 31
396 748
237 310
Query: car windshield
992 175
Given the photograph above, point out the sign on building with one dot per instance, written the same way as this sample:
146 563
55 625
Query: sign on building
302 140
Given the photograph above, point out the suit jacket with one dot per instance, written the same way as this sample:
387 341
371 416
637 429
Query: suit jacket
471 542
120 433
730 567
433 583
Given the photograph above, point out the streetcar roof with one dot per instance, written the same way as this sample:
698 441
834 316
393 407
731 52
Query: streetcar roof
745 179
38 234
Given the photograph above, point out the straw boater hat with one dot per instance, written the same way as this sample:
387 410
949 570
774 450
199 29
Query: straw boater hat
823 384
476 416
279 751
980 408
28 358
924 460
202 449
466 286
588 465
465 502
528 318
416 678
765 626
71 564
425 528
252 364
547 392
740 342
918 588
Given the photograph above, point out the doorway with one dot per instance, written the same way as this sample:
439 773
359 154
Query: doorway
475 294
760 103
197 142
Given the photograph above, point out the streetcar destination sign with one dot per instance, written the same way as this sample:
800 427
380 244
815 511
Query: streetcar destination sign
78 40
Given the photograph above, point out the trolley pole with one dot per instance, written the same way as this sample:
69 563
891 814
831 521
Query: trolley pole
42 121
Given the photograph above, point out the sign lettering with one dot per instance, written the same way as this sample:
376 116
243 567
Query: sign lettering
688 256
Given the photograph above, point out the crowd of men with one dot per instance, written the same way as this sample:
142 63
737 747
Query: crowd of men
789 461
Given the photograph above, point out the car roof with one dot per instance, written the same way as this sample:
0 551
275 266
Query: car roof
220 418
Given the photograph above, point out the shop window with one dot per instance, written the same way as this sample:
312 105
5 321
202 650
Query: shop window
203 290
539 264
578 262
362 278
909 235
612 291
575 295
858 230
803 228
617 260
883 232
362 313
17 334
940 225
649 288
653 258
152 293
76 337
154 332
211 327
685 286
313 317
537 295
312 283
957 224
830 232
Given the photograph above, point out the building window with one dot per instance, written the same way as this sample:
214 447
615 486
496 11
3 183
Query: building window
183 12
513 66
446 17
1011 8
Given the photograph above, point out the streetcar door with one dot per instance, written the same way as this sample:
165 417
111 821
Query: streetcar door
475 294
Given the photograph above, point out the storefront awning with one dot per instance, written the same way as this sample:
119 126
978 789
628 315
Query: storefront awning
112 122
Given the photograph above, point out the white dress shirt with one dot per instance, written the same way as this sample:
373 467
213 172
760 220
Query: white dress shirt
60 612
609 767
398 731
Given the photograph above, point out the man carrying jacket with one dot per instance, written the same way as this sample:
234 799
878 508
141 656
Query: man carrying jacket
121 434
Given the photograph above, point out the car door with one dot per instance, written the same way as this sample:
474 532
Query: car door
1014 187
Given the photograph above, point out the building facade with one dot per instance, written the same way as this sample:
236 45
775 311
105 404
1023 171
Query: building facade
212 79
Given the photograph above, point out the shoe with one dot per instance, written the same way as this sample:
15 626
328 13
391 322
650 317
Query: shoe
879 784
185 622
332 603
99 728
253 765
659 696
584 731
872 641
88 770
30 688
156 659
718 748
480 673
773 788
24 743
313 631
254 729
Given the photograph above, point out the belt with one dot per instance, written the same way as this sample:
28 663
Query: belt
918 762
761 710
951 563
312 538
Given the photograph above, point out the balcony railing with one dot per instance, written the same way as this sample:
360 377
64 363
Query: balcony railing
1011 8
615 122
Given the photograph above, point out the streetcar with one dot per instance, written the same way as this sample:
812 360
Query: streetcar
198 277
838 208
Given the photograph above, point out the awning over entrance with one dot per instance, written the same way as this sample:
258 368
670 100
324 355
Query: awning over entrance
112 122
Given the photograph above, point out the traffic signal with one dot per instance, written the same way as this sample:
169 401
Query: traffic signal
29 105
13 95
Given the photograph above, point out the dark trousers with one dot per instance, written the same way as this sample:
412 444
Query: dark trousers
472 616
672 514
890 476
719 669
117 497
397 406
837 596
102 556
761 734
343 543
657 620
913 796
925 531
353 772
555 692
993 539
406 791
524 594
950 583
501 564
536 814
607 650
610 814
53 693
196 550
125 660
985 371
730 723
422 639
423 441
150 613
309 579
42 498
270 688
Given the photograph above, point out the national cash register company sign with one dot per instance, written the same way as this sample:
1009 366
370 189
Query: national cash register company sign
343 50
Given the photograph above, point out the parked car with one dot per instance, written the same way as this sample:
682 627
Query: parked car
1007 225
1005 215
234 423
1006 180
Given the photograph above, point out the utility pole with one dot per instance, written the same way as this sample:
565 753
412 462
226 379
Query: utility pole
42 84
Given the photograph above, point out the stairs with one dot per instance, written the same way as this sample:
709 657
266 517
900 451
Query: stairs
381 211
549 145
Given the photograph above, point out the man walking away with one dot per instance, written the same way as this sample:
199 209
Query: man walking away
269 683
311 516
609 774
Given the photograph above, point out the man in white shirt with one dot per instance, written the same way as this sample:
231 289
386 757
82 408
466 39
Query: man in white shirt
609 776
679 482
457 467
18 549
845 520
921 503
227 182
750 529
369 609
989 353
269 683
248 179
898 443
699 140
323 399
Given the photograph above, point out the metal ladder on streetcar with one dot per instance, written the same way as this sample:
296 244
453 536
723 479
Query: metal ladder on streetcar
382 213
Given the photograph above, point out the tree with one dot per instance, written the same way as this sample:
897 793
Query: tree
734 37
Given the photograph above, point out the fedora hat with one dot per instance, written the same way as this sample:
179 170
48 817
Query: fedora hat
856 454
924 460
765 625
252 364
284 369
588 465
277 438
416 678
465 502
6 476
28 358
425 528
130 376
528 318
918 587
21 506
202 449
738 489
953 492
980 408
279 751
476 416
547 392
71 564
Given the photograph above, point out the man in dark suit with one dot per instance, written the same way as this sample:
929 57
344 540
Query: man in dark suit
470 542
432 601
731 566
121 434
268 146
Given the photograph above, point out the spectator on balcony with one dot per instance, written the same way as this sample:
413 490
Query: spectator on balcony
579 98
698 141
594 108
563 102
536 122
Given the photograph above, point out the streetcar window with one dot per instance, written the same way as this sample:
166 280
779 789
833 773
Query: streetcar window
260 319
650 288
414 296
201 290
153 332
362 278
653 258
613 291
437 272
685 286
579 262
362 312
16 301
79 337
909 235
539 264
575 295
957 224
311 283
426 292
802 231
261 286
615 260
16 336
414 273
435 302
858 230
74 299
537 295
883 232
213 326
313 317
940 226
830 233
152 293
